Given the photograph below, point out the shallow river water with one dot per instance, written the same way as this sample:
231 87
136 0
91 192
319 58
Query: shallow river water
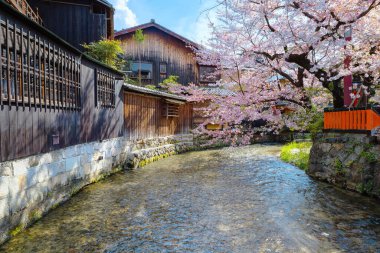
229 200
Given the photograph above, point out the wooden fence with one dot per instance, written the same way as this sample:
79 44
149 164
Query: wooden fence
146 117
346 120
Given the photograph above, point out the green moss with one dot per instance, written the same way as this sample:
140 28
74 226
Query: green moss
296 153
369 156
16 230
349 164
146 161
365 188
339 169
35 215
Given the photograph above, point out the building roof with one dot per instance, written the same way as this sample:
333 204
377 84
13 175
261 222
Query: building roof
157 93
50 35
105 2
159 27
218 91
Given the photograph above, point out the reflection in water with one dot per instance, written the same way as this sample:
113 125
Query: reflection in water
230 200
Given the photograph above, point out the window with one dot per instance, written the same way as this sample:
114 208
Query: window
36 73
163 70
105 89
207 74
146 69
170 108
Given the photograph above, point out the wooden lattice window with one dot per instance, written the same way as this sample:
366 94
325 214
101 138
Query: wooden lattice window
34 72
170 108
105 89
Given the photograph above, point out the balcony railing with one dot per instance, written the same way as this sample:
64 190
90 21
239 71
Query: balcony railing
348 120
23 7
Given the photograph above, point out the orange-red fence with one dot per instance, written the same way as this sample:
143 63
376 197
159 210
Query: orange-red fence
351 120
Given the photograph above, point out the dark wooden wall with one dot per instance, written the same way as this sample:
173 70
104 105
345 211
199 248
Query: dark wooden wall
48 96
143 117
47 92
162 47
76 23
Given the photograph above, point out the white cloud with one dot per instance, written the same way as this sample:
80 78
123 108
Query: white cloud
124 14
202 30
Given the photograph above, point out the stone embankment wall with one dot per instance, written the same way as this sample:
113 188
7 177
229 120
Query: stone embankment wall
31 186
351 161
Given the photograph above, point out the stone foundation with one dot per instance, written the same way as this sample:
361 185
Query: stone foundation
350 161
30 187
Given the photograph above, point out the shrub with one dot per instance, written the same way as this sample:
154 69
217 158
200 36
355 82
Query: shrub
106 51
296 153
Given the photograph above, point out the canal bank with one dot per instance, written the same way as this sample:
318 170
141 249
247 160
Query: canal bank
32 186
348 160
240 199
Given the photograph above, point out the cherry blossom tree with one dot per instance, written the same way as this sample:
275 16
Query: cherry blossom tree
287 50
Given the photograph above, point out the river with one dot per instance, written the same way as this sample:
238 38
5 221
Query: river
241 199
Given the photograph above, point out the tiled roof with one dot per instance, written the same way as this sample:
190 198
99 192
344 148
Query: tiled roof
157 93
219 91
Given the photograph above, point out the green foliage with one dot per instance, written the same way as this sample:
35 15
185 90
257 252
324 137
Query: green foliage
296 153
170 81
106 51
310 120
139 36
339 168
151 86
370 157
365 188
130 80
316 124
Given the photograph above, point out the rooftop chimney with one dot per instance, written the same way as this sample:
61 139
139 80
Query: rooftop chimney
153 21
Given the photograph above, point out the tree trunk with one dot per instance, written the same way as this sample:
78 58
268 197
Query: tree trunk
338 94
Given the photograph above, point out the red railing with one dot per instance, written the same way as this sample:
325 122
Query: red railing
365 120
23 7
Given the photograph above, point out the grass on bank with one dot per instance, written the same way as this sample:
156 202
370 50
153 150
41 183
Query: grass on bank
296 153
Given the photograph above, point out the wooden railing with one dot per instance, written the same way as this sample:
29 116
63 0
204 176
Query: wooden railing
35 71
23 7
364 120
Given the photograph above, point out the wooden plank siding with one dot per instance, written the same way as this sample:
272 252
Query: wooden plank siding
76 21
52 96
159 47
143 117
47 91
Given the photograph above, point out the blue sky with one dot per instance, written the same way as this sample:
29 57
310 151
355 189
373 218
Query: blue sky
185 17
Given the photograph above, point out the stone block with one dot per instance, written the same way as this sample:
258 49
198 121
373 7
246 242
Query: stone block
20 166
98 156
6 169
36 174
18 202
56 168
4 208
70 152
72 163
58 180
16 185
87 149
36 194
4 186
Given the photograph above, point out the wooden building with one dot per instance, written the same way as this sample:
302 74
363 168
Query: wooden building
53 96
162 53
76 21
149 113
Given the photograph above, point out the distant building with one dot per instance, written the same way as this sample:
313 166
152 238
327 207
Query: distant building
162 53
76 21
